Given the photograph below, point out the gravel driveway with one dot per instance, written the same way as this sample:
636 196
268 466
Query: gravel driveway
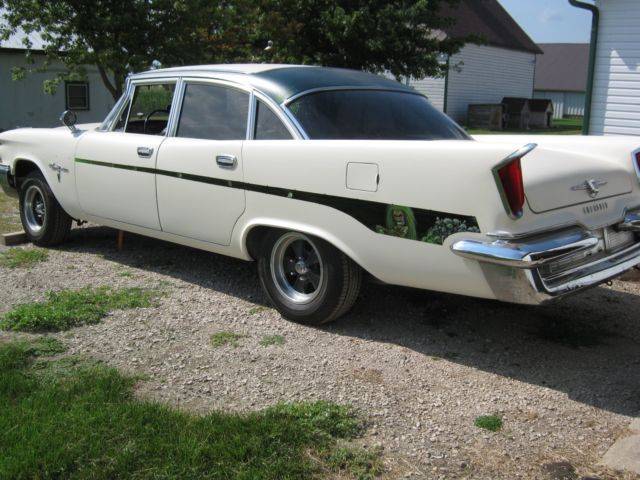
420 366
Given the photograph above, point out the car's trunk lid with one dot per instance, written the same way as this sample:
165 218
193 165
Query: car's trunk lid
556 180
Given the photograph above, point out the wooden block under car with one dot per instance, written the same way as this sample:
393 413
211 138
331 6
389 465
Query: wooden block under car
15 238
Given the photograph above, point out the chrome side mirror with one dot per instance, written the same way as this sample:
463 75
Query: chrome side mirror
69 119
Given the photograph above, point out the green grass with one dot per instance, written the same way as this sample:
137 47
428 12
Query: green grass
66 309
564 126
221 339
77 419
22 257
9 214
493 423
272 340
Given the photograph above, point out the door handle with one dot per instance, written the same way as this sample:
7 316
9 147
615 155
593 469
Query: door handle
145 152
226 161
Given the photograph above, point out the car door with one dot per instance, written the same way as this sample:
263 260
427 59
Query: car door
115 170
200 179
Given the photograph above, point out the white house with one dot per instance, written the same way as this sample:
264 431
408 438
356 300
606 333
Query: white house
503 66
23 103
615 103
561 76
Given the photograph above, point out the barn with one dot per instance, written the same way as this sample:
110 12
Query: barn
561 76
24 102
502 66
613 108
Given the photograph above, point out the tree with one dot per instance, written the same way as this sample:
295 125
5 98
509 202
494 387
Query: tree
399 36
117 36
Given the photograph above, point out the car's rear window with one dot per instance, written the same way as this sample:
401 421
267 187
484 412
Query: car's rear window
372 115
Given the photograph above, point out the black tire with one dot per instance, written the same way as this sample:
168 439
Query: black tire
43 219
337 277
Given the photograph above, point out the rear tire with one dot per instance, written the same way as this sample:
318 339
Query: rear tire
307 279
43 219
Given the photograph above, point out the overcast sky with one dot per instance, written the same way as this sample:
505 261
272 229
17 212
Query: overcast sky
548 21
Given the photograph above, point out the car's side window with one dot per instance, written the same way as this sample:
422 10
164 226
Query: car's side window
268 125
213 112
149 112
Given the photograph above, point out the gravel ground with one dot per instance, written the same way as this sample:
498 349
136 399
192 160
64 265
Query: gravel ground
420 366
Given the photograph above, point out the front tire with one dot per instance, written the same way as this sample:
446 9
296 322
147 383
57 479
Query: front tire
307 279
43 219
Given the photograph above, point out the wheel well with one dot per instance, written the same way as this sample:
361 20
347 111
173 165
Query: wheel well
254 239
22 169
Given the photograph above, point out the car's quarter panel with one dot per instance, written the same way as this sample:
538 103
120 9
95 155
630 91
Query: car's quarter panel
113 181
304 188
197 197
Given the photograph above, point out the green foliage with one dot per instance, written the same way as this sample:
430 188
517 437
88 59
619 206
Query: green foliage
445 227
221 339
493 423
22 257
268 340
66 309
122 36
372 35
76 419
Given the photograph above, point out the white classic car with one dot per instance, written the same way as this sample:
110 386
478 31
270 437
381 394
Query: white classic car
322 174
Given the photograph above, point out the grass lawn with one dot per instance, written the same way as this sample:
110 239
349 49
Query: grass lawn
9 215
78 419
565 126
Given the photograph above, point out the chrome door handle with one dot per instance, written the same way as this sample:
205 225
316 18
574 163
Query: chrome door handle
226 161
145 152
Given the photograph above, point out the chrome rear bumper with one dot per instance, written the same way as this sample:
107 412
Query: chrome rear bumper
5 181
536 269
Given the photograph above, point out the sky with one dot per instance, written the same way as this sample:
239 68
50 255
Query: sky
549 21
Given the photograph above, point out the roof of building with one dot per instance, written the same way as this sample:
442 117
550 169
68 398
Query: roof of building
17 40
489 20
540 105
515 105
563 67
283 82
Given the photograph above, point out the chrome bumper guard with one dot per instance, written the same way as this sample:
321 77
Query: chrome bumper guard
546 266
5 181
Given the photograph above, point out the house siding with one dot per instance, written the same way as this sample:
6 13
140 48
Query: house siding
564 103
24 103
616 95
484 74
481 74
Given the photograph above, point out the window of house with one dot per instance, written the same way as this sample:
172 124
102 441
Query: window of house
77 95
213 112
268 125
149 112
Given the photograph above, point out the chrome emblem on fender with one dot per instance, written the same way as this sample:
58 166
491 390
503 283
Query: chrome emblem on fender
591 186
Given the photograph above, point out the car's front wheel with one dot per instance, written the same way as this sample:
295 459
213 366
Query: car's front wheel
307 279
43 219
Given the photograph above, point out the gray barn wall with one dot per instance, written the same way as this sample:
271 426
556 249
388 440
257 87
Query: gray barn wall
564 103
481 74
24 104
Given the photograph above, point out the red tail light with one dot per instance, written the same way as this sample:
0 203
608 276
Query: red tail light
510 176
638 162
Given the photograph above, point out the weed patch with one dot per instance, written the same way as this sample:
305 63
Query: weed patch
268 340
71 308
22 257
78 419
493 423
221 339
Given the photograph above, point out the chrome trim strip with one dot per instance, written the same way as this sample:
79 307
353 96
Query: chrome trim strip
5 181
520 153
294 121
636 164
293 98
526 253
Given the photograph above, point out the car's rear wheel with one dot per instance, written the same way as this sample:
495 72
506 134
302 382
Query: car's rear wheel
307 279
43 219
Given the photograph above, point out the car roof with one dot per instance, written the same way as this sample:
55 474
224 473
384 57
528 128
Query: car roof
283 83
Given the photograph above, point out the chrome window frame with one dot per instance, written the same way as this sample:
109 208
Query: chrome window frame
290 124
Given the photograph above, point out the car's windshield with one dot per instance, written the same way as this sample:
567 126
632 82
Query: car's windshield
372 115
